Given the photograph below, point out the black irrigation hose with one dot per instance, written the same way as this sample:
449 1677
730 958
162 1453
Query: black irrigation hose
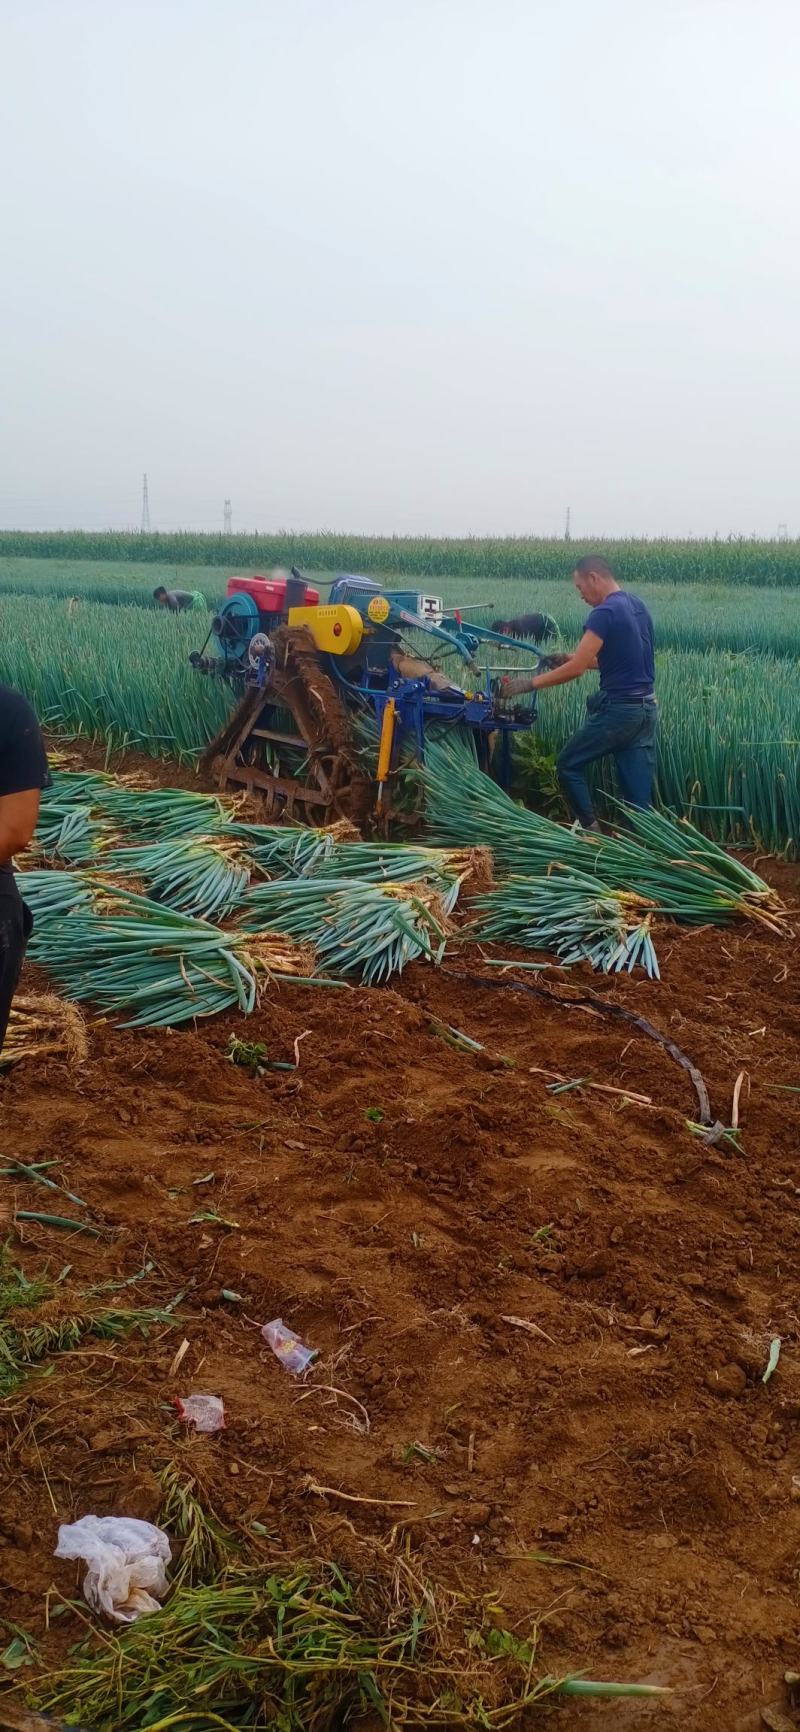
614 1011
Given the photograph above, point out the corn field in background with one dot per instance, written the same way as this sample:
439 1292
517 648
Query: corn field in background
735 560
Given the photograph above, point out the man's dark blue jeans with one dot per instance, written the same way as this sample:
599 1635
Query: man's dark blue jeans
627 733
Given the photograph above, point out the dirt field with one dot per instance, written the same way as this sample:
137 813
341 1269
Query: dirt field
397 1200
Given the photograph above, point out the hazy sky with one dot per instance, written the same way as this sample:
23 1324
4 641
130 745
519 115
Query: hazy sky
401 265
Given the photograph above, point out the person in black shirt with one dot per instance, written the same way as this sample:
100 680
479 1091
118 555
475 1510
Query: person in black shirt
538 626
23 775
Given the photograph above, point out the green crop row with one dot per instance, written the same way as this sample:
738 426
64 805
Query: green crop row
687 616
119 673
115 582
732 561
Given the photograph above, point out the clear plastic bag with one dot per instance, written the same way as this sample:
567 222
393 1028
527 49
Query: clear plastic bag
201 1412
127 1562
288 1347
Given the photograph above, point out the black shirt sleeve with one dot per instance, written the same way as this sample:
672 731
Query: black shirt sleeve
23 760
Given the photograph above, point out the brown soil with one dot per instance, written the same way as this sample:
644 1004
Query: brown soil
73 752
632 1441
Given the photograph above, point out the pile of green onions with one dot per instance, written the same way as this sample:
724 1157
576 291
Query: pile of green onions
51 896
69 826
676 869
126 953
151 814
303 853
445 870
68 832
206 876
676 843
156 814
285 851
78 787
373 930
572 916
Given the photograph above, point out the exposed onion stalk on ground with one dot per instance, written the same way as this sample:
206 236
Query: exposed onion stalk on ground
41 1023
355 928
126 953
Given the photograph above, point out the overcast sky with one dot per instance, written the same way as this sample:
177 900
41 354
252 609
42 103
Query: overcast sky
401 265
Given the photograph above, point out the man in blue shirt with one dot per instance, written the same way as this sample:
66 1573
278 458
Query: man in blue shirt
622 717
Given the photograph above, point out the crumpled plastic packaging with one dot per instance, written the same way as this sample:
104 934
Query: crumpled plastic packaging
288 1347
201 1412
127 1562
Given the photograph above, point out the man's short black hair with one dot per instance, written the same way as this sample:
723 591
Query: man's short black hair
596 563
157 593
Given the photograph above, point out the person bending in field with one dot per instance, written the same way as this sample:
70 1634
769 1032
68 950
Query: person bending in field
538 626
622 717
23 775
180 600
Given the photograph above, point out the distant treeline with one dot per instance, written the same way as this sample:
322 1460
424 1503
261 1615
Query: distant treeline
662 561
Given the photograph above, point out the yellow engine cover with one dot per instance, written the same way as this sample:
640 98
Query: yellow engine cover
337 629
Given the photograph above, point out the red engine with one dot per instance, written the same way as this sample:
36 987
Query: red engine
274 595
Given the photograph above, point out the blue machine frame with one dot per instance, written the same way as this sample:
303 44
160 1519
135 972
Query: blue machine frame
416 701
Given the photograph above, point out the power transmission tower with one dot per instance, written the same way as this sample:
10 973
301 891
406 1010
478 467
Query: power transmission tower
227 518
145 508
567 536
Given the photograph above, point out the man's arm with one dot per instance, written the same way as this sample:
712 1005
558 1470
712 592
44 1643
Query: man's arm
582 661
23 772
18 818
